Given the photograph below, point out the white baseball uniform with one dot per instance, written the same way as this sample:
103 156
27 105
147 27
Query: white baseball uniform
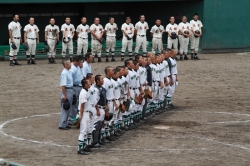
111 37
96 45
157 38
15 28
52 31
85 121
172 42
167 75
143 81
141 38
109 86
174 73
155 79
117 95
92 93
82 41
162 75
69 29
129 29
184 41
195 25
31 31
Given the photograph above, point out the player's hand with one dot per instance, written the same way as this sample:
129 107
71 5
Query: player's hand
166 83
107 107
172 82
64 98
21 40
37 41
107 113
142 92
98 112
25 42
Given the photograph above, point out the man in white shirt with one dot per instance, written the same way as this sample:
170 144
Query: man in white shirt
196 28
127 40
31 37
172 30
82 31
156 34
96 36
14 28
68 32
110 30
184 33
141 28
52 39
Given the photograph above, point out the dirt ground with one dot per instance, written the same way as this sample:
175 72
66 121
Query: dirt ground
211 125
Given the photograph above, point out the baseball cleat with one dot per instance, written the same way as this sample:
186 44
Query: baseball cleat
28 62
82 152
185 58
113 60
107 60
63 128
181 58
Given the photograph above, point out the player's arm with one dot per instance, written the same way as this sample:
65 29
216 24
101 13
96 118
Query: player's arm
168 31
200 31
77 32
103 32
58 37
10 34
93 33
25 37
64 93
81 110
45 35
37 37
152 32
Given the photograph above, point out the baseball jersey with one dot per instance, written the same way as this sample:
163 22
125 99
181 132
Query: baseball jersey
157 31
92 93
132 76
76 73
86 68
196 25
172 28
142 75
128 28
83 30
66 78
31 30
141 28
111 29
15 27
98 29
161 72
155 75
184 26
69 29
120 83
166 68
83 98
117 89
125 84
109 86
52 31
173 66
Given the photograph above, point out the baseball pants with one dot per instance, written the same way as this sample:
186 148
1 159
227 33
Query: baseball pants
82 44
172 89
63 120
172 43
96 47
141 41
68 46
157 44
52 47
110 44
32 47
194 41
74 109
111 106
84 126
12 51
92 120
184 41
126 43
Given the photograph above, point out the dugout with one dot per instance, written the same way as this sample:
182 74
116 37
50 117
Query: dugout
225 26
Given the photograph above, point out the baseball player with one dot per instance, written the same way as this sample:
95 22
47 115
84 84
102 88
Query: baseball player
82 31
51 39
97 32
196 28
84 116
146 108
141 28
31 37
66 83
110 30
172 30
14 28
68 32
174 81
127 40
156 34
184 33
76 75
86 65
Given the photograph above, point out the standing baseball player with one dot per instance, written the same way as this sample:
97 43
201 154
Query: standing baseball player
82 37
97 32
68 32
141 28
127 40
156 34
15 39
184 33
86 65
66 83
172 30
52 39
196 28
110 30
31 37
